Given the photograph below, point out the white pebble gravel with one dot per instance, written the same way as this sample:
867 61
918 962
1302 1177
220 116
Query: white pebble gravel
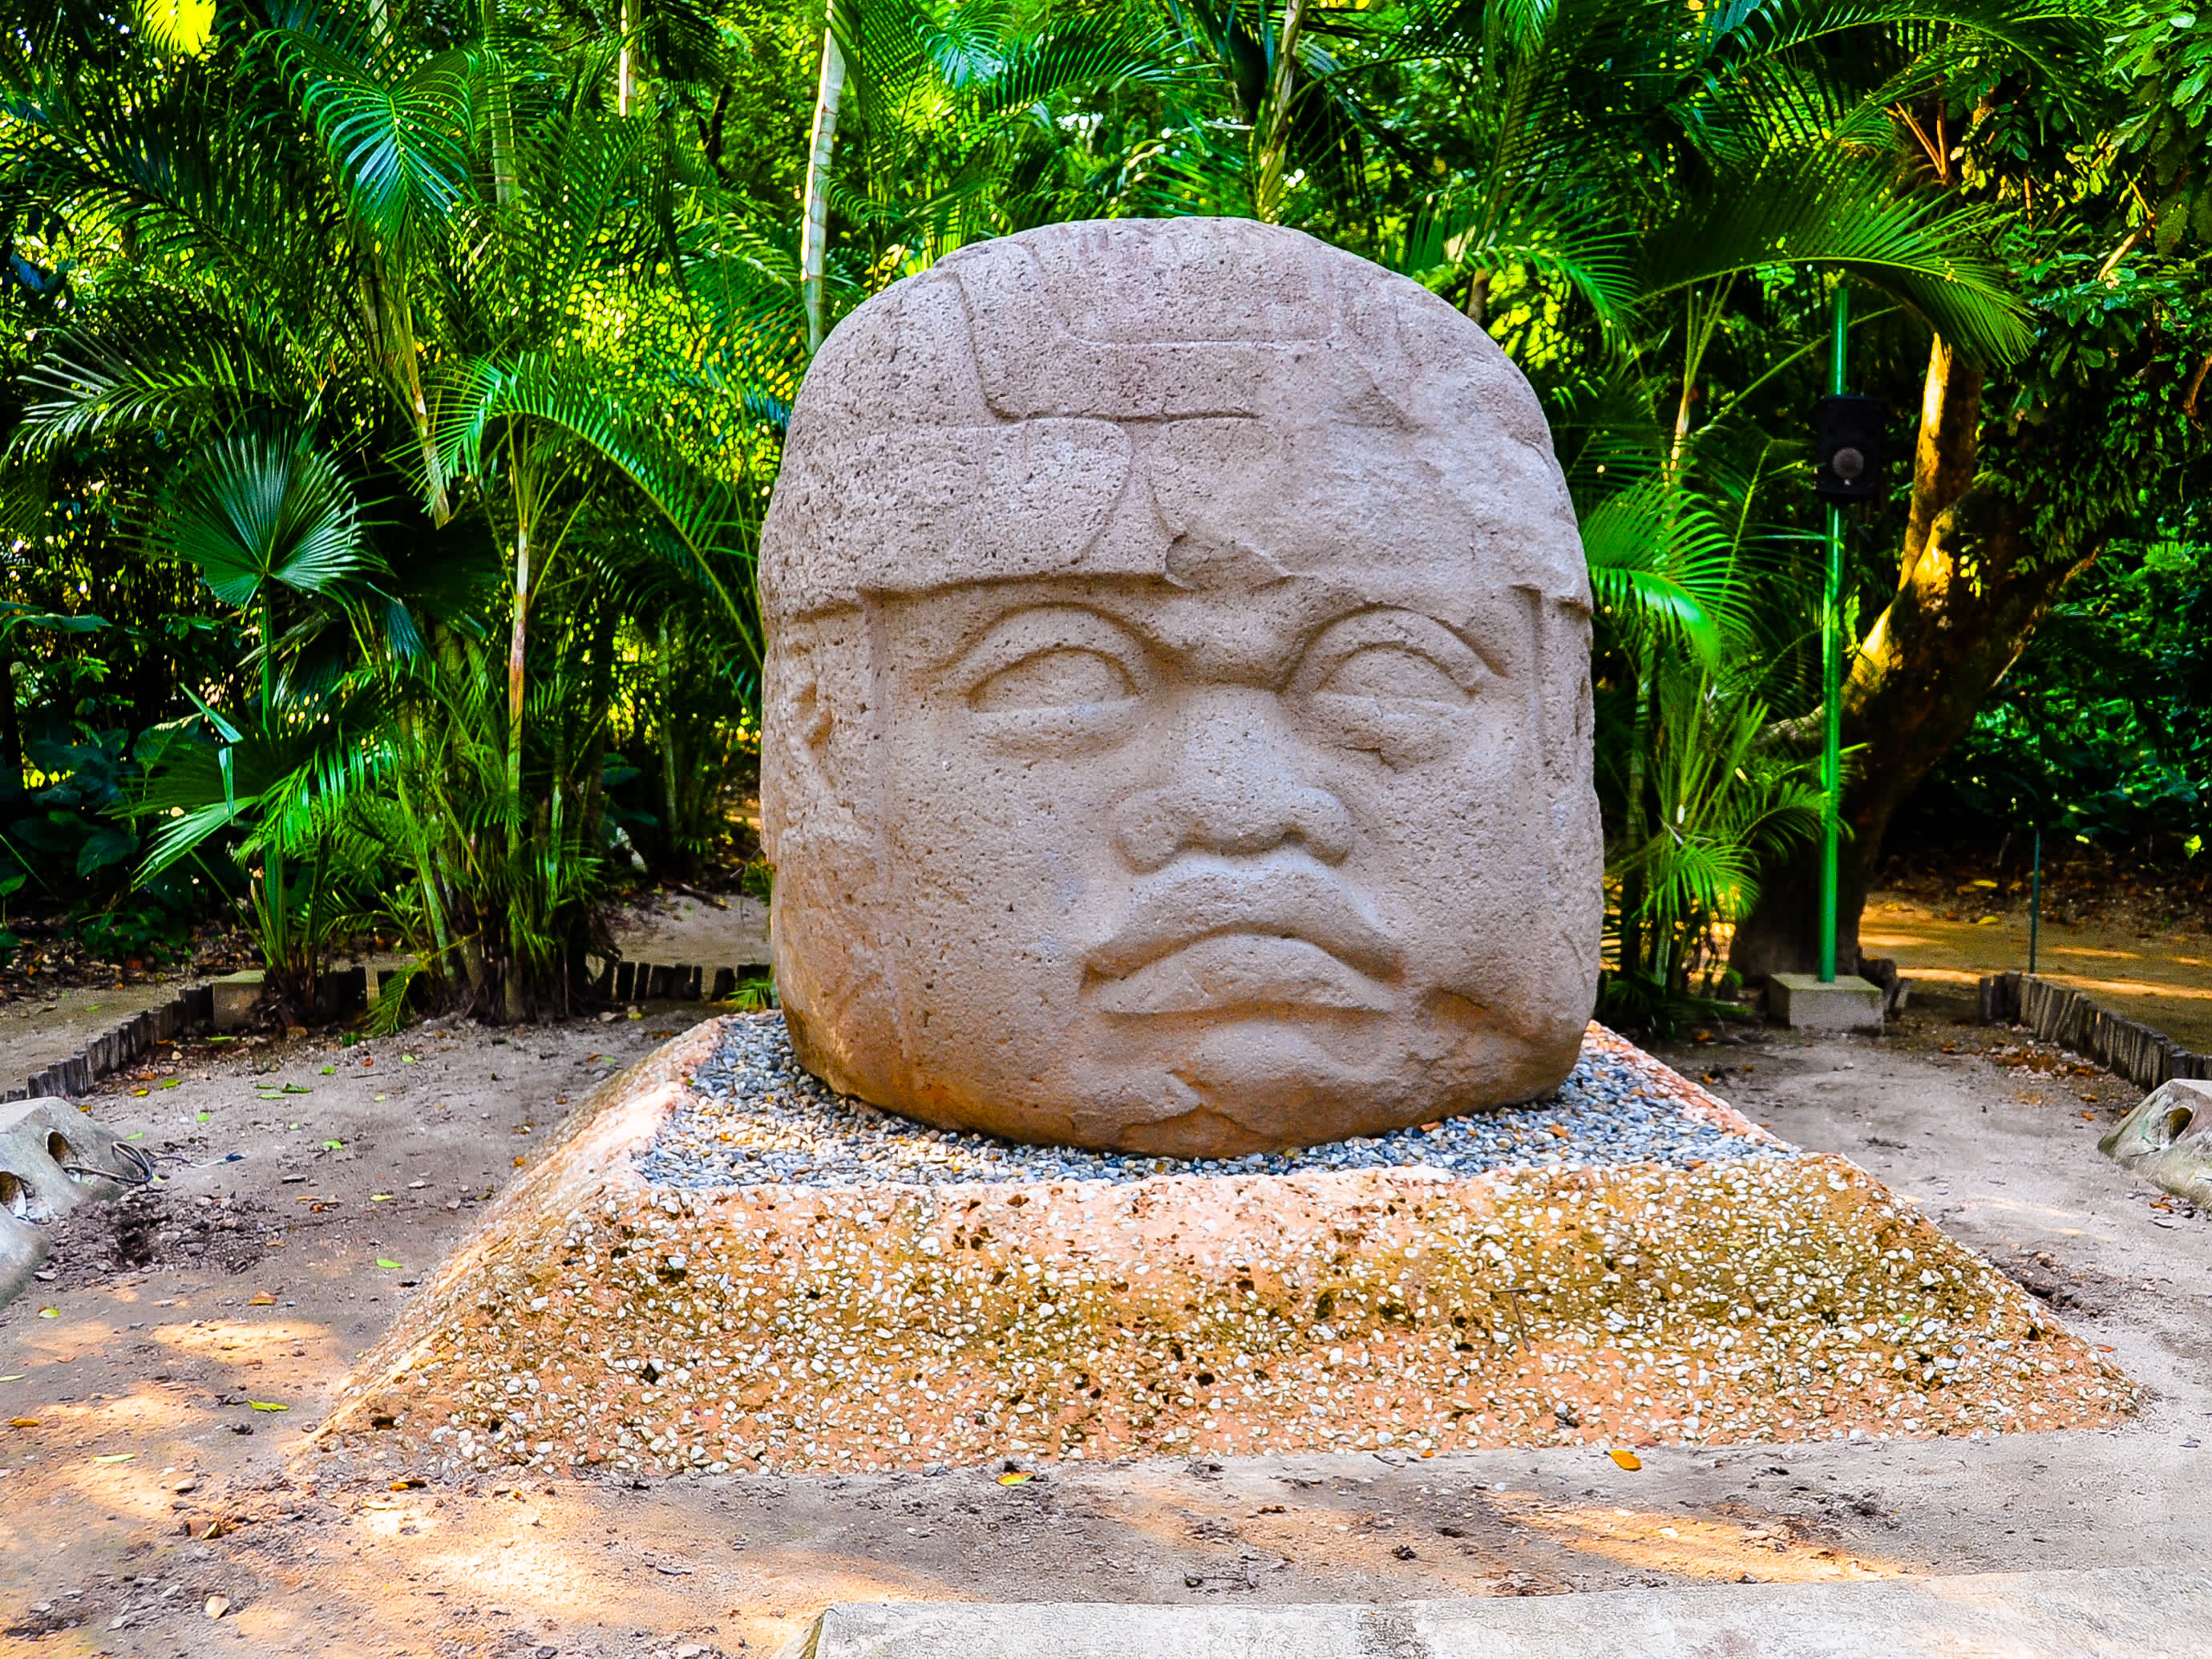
755 1116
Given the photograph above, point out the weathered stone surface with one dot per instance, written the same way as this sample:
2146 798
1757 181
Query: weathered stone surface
2167 1138
50 1157
1177 704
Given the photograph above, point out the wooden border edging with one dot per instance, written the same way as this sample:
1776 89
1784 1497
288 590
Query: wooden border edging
193 1008
194 1005
2068 1017
621 980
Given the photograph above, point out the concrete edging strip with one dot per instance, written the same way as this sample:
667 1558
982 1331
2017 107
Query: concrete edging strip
2116 1612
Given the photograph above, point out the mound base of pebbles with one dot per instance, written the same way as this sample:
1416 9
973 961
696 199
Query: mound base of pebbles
618 1313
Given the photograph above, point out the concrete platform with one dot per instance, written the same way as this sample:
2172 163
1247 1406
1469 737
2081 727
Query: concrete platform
2120 1613
1806 1003
600 1322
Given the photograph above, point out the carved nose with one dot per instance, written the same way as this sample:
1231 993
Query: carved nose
1233 786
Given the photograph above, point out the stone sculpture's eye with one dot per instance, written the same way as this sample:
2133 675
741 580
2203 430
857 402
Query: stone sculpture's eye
1060 677
1394 684
1393 673
1052 674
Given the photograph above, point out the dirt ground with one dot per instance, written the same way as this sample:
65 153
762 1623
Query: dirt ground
2156 970
160 1384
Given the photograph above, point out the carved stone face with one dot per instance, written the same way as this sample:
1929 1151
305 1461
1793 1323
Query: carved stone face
1177 706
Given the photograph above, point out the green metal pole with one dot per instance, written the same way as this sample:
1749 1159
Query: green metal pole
1831 678
2035 901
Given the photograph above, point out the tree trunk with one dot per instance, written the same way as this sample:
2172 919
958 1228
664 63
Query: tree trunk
1275 129
504 182
517 658
626 64
1971 594
814 226
11 732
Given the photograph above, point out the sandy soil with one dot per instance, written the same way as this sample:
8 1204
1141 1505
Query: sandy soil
161 1363
2162 977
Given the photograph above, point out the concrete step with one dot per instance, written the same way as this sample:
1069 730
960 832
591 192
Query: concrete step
2120 1613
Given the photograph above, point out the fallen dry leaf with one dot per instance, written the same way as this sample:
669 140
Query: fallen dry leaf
23 1422
261 1299
1627 1460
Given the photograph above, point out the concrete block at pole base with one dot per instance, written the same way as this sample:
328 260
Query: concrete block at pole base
1806 1003
2109 1613
234 997
2167 1139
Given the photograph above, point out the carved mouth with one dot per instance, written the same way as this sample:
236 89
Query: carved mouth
1215 935
1238 970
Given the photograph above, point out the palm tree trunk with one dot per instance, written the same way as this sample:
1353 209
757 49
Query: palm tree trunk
814 227
390 324
502 112
1478 295
12 730
626 64
1275 138
1636 827
517 655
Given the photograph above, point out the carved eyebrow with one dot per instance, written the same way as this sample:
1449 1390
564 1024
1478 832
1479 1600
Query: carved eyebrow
1023 634
1461 662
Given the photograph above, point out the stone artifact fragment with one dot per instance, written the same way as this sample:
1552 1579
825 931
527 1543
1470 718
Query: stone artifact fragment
1177 706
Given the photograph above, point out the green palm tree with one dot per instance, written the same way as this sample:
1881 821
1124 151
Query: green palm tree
448 264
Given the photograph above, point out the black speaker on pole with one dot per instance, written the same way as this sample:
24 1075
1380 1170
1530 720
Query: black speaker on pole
1847 443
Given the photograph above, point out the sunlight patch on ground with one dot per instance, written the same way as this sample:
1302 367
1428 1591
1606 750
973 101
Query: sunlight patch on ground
469 1563
225 1341
1769 1549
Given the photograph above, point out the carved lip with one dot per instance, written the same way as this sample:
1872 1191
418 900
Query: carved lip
1241 970
1223 935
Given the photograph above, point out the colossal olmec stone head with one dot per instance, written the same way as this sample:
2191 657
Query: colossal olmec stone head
1177 708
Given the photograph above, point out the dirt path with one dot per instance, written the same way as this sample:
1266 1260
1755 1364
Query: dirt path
35 1032
161 1362
2163 979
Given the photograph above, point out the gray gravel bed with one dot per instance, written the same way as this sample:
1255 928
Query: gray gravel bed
785 1127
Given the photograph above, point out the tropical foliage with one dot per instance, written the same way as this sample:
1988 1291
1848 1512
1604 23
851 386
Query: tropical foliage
395 388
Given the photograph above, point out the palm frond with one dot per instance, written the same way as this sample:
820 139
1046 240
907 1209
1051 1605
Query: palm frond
251 510
394 124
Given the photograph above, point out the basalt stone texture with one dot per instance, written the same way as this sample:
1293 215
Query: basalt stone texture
600 1322
1177 707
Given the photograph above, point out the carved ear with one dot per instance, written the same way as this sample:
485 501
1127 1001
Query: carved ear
827 901
813 736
